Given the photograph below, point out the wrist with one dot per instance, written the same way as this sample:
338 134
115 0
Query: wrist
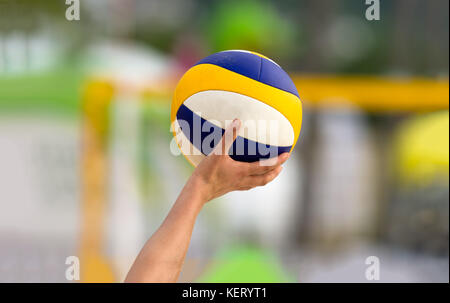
199 188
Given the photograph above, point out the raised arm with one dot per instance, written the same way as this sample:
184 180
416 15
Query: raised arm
162 257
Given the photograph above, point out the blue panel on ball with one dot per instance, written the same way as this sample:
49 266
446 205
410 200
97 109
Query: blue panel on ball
208 135
275 76
254 67
243 63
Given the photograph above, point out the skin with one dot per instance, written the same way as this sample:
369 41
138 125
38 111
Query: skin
162 257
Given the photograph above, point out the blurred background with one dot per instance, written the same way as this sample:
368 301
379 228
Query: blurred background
85 162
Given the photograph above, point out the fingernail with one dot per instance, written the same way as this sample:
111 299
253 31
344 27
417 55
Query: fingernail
236 122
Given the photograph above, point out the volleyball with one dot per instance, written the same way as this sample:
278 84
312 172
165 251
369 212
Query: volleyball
236 84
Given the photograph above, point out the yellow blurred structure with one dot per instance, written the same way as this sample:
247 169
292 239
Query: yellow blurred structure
422 148
375 94
97 98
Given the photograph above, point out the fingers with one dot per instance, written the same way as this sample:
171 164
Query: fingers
265 166
258 175
261 180
228 138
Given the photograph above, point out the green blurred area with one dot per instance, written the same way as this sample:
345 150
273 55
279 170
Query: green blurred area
56 91
250 25
245 264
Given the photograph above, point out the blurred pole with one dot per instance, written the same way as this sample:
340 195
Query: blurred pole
403 30
94 265
308 141
436 22
320 15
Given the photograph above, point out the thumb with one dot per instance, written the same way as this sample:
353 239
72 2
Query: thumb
228 137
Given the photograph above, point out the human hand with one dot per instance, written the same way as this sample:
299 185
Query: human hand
218 173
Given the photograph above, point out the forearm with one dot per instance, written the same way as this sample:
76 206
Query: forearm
162 257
